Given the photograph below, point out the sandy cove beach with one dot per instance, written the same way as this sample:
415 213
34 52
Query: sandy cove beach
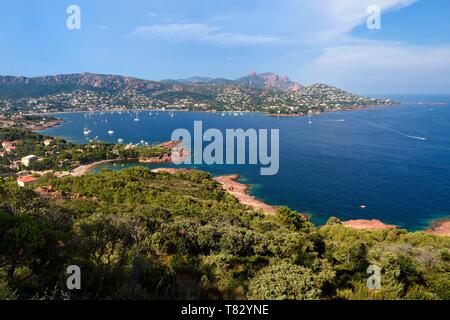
165 158
241 192
86 168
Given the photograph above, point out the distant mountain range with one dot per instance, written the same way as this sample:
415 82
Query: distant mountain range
19 87
264 81
265 92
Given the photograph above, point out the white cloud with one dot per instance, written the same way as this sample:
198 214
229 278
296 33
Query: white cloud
306 22
310 22
370 66
345 15
204 33
325 21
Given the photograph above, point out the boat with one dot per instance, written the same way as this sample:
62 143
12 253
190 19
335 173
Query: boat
120 140
363 206
110 132
86 131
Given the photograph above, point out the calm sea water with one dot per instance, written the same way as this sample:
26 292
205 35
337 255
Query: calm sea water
394 160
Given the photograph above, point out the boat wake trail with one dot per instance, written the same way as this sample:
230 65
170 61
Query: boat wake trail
398 132
407 135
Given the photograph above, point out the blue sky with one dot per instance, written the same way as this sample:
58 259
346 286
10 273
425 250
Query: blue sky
310 41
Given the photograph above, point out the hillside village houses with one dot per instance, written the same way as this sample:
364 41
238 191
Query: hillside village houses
8 146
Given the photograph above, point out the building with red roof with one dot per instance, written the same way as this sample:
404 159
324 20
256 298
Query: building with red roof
23 181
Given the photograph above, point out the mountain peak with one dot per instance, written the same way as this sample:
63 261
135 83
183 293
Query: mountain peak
269 81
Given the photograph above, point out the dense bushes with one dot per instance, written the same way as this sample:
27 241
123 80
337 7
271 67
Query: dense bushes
285 280
140 235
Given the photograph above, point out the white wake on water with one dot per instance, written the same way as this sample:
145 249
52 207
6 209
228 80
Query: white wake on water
376 125
404 134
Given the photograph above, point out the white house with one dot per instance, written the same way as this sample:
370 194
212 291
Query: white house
26 161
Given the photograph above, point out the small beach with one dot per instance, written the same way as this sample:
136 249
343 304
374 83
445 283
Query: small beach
241 192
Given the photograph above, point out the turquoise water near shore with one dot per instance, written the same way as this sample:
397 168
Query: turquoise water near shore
394 160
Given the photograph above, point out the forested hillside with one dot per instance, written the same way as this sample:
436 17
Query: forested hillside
141 235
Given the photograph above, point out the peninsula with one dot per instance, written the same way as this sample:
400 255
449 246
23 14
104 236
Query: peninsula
266 92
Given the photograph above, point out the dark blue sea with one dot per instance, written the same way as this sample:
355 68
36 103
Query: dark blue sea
393 160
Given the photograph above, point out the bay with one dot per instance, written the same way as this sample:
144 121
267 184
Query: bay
393 160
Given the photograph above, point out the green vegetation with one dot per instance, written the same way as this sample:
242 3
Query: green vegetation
141 235
60 155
